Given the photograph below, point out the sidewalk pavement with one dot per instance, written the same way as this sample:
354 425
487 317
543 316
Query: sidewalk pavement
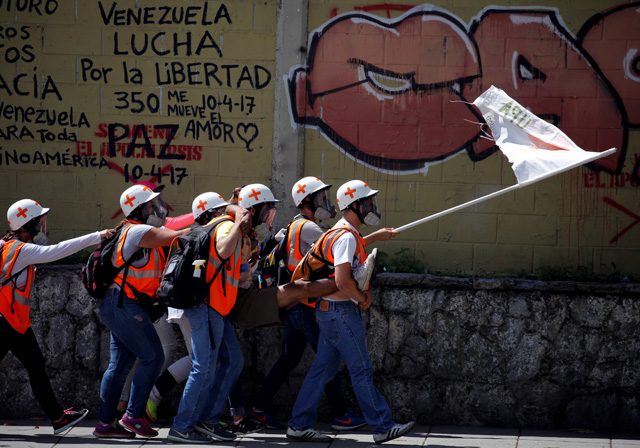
29 433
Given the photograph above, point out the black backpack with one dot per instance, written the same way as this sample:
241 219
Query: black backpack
99 273
183 282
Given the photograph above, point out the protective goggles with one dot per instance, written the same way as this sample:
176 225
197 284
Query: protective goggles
156 207
267 215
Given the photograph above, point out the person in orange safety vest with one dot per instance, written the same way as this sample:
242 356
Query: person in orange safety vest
25 245
342 332
132 332
311 196
234 300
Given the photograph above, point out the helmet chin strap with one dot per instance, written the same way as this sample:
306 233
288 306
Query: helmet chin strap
355 208
256 215
30 227
309 203
138 215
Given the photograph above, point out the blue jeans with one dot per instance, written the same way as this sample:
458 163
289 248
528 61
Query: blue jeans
132 336
205 394
301 328
342 336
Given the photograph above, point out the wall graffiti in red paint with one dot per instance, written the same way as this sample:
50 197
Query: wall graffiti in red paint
394 93
636 218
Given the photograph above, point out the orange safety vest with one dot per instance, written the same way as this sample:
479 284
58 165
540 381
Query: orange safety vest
15 303
145 279
294 243
326 242
321 254
224 287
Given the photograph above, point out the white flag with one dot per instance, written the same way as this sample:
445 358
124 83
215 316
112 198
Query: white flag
536 148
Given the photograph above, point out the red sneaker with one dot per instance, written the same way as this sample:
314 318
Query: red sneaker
138 425
112 431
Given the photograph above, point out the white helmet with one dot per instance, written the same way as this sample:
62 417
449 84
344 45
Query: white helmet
206 202
134 196
254 194
306 187
352 191
24 211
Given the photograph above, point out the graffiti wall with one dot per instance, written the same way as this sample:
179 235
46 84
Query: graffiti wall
97 95
389 87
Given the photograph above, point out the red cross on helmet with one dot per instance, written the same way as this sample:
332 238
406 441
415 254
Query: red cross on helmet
254 194
134 196
206 202
352 191
306 187
24 211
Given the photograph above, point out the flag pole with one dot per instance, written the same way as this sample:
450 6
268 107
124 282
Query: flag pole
505 190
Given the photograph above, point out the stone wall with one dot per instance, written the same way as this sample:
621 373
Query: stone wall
512 353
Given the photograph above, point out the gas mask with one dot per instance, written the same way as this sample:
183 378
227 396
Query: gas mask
39 233
264 222
370 212
321 206
155 212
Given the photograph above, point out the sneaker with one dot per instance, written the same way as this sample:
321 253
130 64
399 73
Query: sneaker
152 411
350 420
363 273
188 436
307 435
247 426
216 431
138 425
396 431
112 431
69 418
265 417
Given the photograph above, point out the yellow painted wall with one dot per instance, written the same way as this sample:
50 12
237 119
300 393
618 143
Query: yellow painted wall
76 61
575 222
149 80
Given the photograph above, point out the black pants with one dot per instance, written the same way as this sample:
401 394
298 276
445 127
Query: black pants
25 347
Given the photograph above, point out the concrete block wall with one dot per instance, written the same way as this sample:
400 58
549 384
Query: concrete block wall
212 95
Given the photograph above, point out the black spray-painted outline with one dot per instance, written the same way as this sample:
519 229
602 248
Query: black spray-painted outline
405 166
584 30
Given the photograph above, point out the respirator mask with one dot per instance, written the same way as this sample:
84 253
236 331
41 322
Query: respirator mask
155 212
370 212
39 233
321 206
264 221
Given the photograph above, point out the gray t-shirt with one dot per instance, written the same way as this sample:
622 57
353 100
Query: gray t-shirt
309 234
132 244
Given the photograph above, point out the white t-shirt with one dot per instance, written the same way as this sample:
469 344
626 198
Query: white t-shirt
344 251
